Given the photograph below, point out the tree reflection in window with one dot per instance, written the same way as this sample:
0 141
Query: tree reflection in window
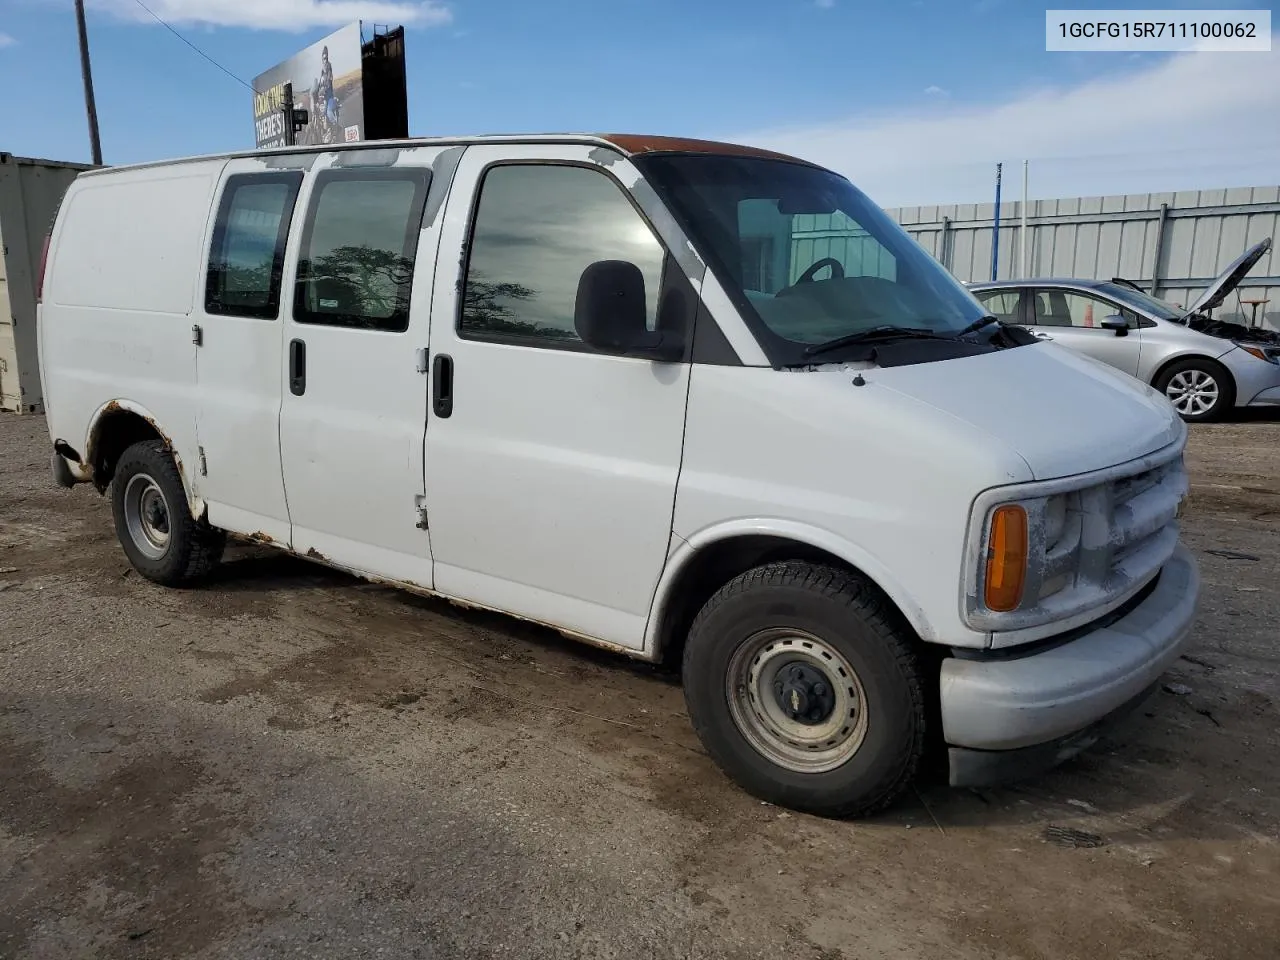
537 227
356 267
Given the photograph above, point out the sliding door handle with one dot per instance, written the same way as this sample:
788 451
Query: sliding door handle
442 385
297 367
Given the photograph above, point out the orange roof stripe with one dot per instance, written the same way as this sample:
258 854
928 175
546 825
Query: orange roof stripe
634 143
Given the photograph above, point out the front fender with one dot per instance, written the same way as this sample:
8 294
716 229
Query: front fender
800 533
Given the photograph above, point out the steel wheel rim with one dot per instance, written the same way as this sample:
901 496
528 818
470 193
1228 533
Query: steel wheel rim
146 515
1192 392
754 670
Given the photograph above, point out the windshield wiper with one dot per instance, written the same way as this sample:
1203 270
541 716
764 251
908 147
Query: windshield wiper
983 321
874 334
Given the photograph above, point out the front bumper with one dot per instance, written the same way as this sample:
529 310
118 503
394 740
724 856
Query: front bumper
1011 716
1266 397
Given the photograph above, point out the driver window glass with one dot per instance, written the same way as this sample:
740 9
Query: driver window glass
779 249
536 228
1059 308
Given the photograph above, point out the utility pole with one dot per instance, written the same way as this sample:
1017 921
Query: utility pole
995 230
95 144
1022 234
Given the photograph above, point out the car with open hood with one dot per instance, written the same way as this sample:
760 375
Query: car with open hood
1206 367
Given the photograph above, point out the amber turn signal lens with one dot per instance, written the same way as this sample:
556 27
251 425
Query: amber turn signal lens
1006 558
1256 352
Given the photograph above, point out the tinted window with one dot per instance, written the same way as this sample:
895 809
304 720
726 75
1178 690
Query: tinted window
246 257
356 266
1060 308
537 227
1003 304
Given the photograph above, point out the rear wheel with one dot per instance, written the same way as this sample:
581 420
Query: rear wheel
1199 389
804 685
159 536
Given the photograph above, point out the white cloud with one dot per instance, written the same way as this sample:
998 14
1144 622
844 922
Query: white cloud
933 90
293 15
1190 121
6 41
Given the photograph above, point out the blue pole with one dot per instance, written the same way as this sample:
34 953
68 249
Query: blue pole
995 230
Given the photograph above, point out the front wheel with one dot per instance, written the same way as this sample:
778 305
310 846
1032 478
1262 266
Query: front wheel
1199 389
804 685
159 536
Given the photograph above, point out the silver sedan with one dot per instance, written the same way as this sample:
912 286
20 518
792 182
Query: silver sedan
1205 367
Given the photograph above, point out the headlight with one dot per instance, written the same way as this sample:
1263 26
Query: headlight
1052 552
1261 351
1032 548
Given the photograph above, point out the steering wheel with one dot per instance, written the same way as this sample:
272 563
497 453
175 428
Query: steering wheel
837 270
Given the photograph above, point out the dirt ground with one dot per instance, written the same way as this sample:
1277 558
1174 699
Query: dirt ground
289 762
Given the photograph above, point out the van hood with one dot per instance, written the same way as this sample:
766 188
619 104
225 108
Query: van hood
1060 411
1215 293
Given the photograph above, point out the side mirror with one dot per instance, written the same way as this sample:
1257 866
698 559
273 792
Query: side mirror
609 314
1116 323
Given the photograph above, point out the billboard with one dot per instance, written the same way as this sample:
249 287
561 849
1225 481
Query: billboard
327 80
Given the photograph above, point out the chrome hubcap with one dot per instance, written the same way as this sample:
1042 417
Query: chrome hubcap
796 700
1192 392
146 514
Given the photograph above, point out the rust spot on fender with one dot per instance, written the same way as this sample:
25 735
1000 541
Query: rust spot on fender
633 144
259 537
315 554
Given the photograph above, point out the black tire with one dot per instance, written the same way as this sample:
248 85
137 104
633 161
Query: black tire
1190 371
147 482
851 619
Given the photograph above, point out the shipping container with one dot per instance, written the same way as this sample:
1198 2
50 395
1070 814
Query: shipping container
30 191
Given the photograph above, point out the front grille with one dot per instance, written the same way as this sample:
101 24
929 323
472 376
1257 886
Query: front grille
1144 529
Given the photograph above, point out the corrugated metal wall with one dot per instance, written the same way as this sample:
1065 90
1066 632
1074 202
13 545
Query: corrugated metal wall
30 191
1194 233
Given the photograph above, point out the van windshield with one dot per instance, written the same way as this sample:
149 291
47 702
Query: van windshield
805 255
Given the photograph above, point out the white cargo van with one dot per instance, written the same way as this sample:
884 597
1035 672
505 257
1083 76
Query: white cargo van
670 397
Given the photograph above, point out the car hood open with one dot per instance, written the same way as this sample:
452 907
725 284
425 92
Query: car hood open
1215 293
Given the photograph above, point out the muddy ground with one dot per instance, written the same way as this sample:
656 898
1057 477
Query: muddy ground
289 762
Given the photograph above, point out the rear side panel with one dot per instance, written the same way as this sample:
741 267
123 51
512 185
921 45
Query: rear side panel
122 279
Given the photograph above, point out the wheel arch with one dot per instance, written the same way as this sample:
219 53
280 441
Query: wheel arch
699 566
114 427
1191 355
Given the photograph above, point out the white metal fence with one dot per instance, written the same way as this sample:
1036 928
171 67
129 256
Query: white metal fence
1174 243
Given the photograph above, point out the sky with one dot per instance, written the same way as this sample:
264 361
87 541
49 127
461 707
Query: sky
914 100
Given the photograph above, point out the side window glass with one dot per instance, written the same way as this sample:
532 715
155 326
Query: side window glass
246 257
356 265
1002 304
536 228
1060 308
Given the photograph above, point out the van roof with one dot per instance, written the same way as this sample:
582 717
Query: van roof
628 143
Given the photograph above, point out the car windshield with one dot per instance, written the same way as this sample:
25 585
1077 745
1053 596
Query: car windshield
805 255
1160 309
